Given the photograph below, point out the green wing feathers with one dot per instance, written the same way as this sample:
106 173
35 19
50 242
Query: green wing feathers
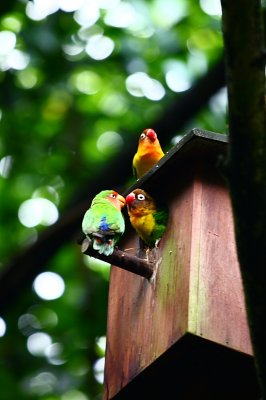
160 218
104 225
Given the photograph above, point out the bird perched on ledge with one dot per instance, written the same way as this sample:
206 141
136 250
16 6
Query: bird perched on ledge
147 219
103 223
148 154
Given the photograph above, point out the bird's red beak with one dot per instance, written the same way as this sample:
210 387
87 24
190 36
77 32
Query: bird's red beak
151 134
130 198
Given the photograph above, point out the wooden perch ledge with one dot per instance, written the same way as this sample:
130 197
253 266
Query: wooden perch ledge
122 260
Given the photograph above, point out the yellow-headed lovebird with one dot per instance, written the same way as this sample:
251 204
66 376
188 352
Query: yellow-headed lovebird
148 154
147 219
103 223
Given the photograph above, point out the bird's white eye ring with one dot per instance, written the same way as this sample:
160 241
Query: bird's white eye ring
142 136
141 197
113 195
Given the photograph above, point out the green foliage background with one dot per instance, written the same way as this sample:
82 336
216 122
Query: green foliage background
58 107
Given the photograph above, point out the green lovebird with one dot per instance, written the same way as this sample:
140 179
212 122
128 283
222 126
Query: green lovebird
147 219
103 223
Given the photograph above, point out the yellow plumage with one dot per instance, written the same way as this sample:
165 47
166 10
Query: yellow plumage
148 154
143 223
147 219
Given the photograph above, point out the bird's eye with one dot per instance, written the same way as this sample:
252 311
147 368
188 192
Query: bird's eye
113 195
142 136
141 197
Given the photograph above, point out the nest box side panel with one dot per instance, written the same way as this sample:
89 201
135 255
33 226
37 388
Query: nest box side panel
217 306
146 317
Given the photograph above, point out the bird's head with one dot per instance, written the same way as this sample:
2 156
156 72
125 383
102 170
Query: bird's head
116 198
148 134
139 199
111 195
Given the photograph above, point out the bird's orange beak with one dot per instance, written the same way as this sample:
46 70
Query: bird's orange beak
122 200
130 198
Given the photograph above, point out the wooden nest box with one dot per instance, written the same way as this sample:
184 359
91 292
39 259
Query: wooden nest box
183 334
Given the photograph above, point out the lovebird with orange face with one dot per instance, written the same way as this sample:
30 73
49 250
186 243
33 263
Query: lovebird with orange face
148 154
148 220
103 223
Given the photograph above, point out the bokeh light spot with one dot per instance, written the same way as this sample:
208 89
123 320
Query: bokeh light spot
99 47
37 318
28 78
169 12
28 323
218 102
140 84
211 7
121 16
39 9
12 23
37 211
113 104
53 354
37 343
100 267
109 142
49 285
74 394
17 59
42 384
134 83
5 166
177 76
72 49
88 13
87 82
98 369
7 42
108 4
101 345
2 327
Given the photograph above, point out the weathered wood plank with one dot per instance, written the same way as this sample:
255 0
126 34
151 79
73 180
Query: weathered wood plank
220 307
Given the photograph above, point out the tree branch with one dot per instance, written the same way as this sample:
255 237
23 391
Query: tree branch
243 38
122 260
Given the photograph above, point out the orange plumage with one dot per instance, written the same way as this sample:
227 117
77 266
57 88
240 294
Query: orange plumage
148 154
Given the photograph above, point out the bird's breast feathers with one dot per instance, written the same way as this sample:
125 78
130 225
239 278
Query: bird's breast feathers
147 154
144 224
